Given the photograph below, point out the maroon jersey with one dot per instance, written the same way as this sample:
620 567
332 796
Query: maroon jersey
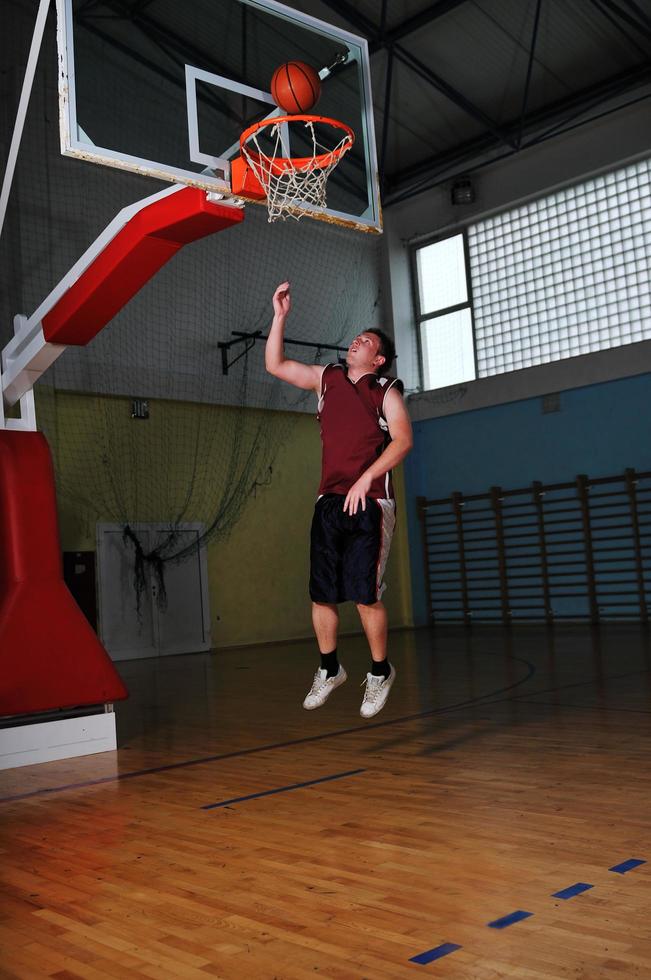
354 430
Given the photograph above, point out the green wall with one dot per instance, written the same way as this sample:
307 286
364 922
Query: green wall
258 573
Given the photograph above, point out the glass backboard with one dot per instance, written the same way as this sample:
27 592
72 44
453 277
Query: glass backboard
165 88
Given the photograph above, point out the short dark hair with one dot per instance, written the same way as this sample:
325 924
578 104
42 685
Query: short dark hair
387 349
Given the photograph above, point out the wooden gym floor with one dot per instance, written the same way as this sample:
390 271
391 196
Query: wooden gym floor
506 767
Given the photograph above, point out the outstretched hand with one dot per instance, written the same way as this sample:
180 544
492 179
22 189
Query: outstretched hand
282 300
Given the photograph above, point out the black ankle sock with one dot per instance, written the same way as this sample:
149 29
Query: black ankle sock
330 663
381 668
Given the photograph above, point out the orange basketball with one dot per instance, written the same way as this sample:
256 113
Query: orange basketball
295 87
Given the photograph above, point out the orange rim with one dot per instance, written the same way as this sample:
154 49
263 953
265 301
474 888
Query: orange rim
281 164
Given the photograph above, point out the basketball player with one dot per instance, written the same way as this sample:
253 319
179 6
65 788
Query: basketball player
365 432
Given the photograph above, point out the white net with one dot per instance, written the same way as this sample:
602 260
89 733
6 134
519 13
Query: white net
293 186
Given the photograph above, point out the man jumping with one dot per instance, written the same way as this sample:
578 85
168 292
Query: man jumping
365 432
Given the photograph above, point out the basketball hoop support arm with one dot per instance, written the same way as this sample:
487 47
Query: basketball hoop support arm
253 336
131 249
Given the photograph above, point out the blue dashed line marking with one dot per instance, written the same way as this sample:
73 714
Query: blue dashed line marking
625 866
573 890
509 920
434 954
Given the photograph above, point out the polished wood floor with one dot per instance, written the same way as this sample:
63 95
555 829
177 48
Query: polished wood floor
505 768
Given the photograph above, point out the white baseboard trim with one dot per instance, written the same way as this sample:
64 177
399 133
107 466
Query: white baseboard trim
28 745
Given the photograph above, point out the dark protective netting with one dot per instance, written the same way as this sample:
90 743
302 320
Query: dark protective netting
211 438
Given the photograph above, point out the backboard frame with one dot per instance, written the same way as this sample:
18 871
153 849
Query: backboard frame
214 175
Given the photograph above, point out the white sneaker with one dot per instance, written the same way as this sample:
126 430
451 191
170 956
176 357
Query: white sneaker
323 686
376 693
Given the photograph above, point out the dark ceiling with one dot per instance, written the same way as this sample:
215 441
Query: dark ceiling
461 83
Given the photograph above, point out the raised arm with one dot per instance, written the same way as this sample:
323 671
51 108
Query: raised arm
294 372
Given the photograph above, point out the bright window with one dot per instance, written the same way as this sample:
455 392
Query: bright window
442 275
566 275
448 352
445 319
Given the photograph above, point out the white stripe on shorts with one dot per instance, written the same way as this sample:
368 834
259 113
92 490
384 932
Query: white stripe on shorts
388 525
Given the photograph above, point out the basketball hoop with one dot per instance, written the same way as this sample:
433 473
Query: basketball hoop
292 186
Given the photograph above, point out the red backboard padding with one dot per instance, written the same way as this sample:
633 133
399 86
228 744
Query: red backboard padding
49 655
130 259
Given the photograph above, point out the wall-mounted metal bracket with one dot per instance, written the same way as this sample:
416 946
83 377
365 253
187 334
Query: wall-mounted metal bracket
250 339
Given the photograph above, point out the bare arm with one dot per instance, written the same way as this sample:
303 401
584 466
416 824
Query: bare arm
294 372
401 443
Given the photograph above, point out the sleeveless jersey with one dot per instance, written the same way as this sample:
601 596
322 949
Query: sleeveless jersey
354 430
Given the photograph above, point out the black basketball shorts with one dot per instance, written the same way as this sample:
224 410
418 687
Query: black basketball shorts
348 555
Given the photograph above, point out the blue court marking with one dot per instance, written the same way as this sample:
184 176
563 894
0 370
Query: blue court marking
434 954
282 789
572 890
508 920
625 866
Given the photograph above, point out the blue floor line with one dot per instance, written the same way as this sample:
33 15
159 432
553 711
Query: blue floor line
625 866
282 789
434 954
509 920
573 890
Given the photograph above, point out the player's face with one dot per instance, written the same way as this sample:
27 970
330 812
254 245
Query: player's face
363 353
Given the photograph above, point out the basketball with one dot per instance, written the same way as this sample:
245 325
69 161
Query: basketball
295 87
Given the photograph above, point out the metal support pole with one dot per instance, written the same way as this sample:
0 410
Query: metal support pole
421 503
631 487
583 488
496 503
28 81
538 494
457 505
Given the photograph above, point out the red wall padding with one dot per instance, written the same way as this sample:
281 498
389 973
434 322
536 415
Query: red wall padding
49 655
130 259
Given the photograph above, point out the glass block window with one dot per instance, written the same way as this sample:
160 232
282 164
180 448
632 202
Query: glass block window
565 275
444 313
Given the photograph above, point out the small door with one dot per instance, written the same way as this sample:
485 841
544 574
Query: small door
127 632
184 626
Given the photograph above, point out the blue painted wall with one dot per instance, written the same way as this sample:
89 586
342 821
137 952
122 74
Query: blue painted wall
600 431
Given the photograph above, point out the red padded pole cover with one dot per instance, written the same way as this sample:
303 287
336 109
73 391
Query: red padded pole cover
49 655
139 250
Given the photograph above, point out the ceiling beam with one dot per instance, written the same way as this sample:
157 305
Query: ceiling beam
385 116
374 34
418 177
453 94
444 178
413 24
619 26
354 17
532 51
639 25
350 13
642 14
139 6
